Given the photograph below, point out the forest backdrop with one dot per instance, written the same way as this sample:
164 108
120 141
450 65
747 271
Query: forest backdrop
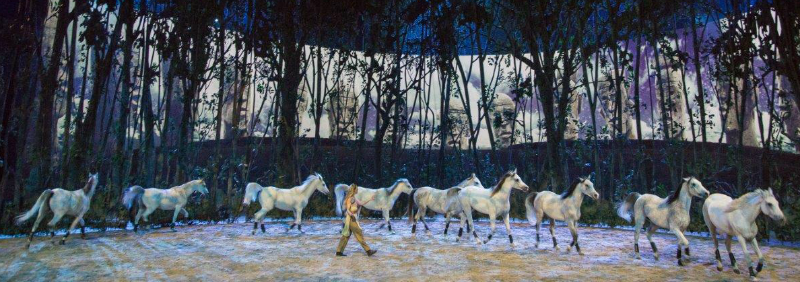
635 93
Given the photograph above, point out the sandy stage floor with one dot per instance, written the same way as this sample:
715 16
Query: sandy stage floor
230 253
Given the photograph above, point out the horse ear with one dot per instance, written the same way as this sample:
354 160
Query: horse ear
473 175
515 171
770 190
686 179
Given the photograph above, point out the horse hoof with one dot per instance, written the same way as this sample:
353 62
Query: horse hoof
736 270
719 268
655 257
580 253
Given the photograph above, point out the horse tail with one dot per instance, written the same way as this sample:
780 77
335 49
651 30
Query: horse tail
41 203
625 207
411 202
251 193
133 195
530 209
340 190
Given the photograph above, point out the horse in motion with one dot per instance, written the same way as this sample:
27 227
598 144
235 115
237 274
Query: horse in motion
384 201
151 199
671 213
492 202
436 200
565 207
288 199
725 215
61 202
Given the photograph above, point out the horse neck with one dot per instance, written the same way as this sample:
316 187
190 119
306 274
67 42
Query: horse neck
395 191
685 199
750 211
577 197
308 189
504 192
91 191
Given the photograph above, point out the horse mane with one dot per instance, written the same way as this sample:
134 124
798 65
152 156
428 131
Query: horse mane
309 179
677 193
742 200
499 185
390 189
571 189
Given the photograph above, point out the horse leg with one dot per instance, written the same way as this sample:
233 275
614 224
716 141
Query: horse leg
52 225
553 233
713 231
492 227
83 228
743 243
447 222
139 213
174 218
462 223
299 220
422 219
639 222
295 222
538 228
508 229
71 227
652 229
471 223
730 253
760 256
574 230
185 213
148 211
386 219
682 242
39 218
257 219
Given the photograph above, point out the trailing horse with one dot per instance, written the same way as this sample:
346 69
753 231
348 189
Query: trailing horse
288 199
151 199
61 202
725 215
436 200
384 201
492 202
671 213
565 207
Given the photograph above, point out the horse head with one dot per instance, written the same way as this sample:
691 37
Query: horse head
91 184
322 187
696 188
770 207
404 185
199 185
587 188
511 180
471 181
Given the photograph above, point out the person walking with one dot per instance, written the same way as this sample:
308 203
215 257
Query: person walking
351 227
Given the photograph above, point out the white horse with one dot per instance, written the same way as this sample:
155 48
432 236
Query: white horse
738 217
492 202
62 202
436 200
565 207
290 199
671 213
384 201
150 199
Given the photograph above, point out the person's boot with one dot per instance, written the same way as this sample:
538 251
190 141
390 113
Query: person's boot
340 254
371 252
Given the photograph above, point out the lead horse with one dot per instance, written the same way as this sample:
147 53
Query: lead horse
671 213
291 199
61 202
725 215
384 199
565 207
492 202
436 200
